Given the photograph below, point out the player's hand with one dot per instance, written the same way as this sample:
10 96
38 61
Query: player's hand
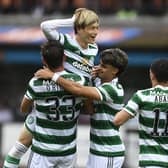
95 71
44 73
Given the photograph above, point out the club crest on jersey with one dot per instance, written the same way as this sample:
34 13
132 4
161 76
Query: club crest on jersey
85 61
30 120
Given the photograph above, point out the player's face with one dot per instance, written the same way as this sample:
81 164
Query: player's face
89 33
107 73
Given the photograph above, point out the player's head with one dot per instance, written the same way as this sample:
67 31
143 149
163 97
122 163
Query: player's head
159 68
115 60
84 17
52 53
87 20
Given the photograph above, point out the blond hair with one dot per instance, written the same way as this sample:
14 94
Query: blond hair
84 17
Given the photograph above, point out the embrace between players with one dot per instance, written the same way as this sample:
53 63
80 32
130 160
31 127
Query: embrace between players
70 82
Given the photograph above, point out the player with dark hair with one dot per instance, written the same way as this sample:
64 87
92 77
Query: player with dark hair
106 147
56 114
151 105
80 51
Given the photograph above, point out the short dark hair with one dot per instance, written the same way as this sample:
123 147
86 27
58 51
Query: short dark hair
160 69
115 57
52 52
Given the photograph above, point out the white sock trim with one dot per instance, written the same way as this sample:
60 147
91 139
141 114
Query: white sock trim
18 150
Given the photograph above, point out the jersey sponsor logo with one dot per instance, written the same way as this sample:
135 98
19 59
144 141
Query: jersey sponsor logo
82 67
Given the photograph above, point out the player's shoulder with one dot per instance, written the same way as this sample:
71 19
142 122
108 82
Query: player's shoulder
70 42
34 81
69 38
74 77
113 87
144 91
153 90
115 84
145 94
93 46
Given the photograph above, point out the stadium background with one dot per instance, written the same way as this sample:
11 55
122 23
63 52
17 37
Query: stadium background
137 26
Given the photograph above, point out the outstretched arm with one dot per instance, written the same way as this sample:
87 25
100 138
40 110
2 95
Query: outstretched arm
121 117
71 86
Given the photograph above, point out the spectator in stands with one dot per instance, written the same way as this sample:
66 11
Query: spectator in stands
10 7
108 7
153 7
44 7
48 7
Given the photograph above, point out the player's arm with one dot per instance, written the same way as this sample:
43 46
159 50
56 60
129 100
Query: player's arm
26 105
49 27
79 90
71 86
129 111
121 117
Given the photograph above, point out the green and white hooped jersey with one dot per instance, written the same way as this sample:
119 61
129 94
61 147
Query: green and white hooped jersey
57 113
78 60
104 135
152 106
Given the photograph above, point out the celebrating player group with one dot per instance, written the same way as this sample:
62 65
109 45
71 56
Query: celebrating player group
70 84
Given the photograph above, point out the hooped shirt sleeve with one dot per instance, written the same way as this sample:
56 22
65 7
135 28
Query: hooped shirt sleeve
30 92
107 92
132 106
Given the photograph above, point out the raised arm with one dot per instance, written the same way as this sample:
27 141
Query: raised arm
49 27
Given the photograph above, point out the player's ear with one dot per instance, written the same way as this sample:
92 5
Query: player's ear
115 71
151 75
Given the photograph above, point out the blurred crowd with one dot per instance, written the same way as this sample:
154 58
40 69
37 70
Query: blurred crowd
48 7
